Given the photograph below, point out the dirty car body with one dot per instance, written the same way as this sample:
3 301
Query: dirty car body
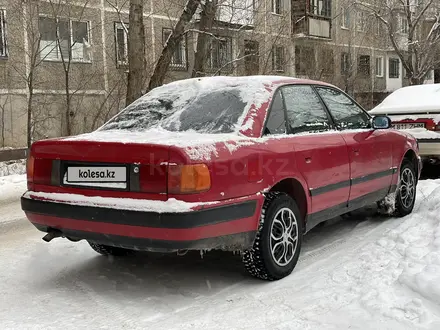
199 164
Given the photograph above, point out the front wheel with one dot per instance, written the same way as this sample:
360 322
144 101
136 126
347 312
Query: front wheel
278 242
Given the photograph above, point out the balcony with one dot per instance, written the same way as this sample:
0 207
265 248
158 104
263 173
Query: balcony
312 20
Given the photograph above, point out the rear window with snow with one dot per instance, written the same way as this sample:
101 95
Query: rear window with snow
183 109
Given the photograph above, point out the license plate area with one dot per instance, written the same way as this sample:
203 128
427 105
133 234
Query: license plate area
408 125
95 175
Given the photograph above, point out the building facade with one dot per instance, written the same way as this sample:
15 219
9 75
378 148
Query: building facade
63 66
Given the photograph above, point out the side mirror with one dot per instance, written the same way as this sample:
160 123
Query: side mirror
381 122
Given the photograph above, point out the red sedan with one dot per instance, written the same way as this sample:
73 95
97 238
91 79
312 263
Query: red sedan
247 164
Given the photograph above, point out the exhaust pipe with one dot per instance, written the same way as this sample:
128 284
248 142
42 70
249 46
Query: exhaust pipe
51 234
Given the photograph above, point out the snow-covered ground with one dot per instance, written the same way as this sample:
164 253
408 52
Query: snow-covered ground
12 167
365 272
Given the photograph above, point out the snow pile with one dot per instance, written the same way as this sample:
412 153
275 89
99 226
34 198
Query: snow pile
405 259
411 100
422 133
12 186
12 167
170 206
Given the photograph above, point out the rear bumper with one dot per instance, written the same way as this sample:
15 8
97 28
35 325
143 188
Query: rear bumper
228 226
429 148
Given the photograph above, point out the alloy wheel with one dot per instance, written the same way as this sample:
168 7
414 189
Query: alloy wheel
284 237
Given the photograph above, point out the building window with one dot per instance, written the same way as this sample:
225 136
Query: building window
402 24
428 75
361 21
251 60
278 58
304 60
328 61
378 27
63 39
3 44
255 5
178 61
121 40
321 7
220 54
379 66
394 68
345 63
364 65
346 20
277 6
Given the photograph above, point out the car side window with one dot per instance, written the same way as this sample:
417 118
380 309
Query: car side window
276 123
305 111
346 113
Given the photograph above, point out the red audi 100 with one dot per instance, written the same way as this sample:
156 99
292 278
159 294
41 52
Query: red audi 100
247 164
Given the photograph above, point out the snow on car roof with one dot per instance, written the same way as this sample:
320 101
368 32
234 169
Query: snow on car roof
411 99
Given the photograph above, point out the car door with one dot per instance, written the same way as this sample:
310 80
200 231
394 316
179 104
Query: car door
321 152
370 150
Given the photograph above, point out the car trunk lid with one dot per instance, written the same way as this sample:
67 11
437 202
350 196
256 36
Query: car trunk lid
104 166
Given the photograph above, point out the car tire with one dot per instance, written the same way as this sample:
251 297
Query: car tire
406 189
107 250
277 244
399 203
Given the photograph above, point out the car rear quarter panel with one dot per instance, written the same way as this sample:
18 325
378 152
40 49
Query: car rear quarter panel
248 170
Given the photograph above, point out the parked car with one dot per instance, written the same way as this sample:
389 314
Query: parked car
247 164
416 110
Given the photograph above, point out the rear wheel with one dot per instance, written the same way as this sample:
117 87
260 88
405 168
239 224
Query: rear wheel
278 242
107 250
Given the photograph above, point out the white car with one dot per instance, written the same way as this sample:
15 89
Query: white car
416 110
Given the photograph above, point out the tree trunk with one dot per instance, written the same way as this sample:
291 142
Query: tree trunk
29 110
68 106
207 18
415 81
2 122
165 58
136 51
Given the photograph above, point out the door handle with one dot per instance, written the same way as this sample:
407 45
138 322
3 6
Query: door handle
308 160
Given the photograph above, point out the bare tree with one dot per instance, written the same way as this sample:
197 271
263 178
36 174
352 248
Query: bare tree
207 18
176 35
3 120
405 22
136 51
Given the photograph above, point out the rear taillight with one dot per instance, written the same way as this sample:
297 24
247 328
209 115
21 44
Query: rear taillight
30 171
153 179
43 171
188 179
39 171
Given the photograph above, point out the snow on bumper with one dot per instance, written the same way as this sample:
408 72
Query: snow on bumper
147 225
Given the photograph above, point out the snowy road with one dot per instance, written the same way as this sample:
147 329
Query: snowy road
359 273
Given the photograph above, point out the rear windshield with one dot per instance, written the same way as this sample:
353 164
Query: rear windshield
185 109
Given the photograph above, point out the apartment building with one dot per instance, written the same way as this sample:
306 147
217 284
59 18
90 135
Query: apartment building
77 93
329 40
